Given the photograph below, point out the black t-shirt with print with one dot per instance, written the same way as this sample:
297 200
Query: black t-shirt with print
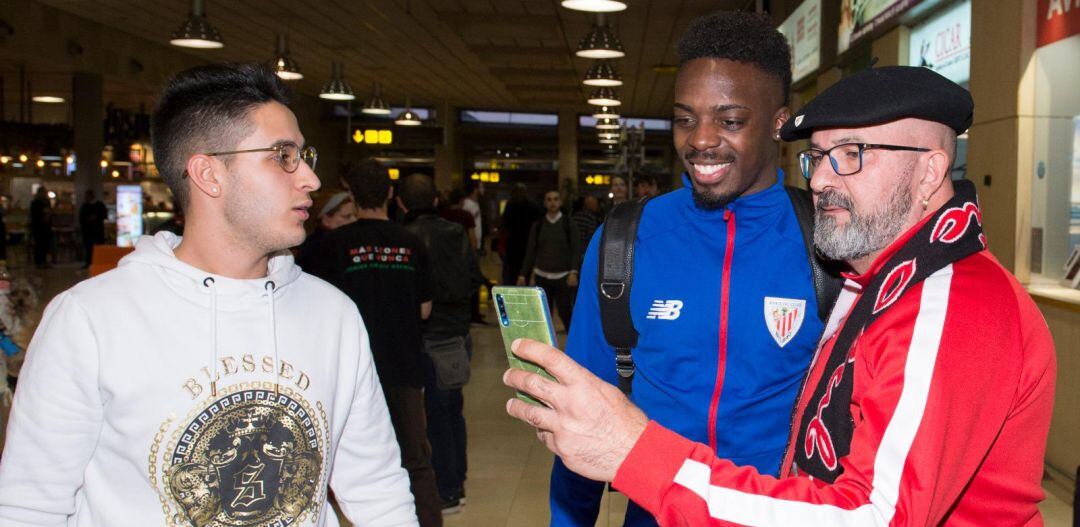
384 269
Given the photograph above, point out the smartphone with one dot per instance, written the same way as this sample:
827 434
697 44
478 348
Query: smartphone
523 313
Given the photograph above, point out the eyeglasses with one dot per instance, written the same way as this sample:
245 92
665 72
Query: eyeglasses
847 159
289 155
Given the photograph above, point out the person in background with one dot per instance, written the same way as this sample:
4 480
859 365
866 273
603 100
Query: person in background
41 231
455 275
587 220
207 380
92 216
453 210
553 257
339 210
474 191
619 192
518 217
386 272
645 187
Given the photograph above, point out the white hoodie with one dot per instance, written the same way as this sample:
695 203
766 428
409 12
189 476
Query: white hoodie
116 423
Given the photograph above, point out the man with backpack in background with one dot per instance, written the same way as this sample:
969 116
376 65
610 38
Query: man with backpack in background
723 317
455 274
553 257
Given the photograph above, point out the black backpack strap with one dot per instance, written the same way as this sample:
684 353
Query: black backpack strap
616 275
827 280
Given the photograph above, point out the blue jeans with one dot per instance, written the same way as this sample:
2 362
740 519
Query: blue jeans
446 432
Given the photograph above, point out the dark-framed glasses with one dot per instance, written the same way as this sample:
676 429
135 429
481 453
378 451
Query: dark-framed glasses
846 158
289 155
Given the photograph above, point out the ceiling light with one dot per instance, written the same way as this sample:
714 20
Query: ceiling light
283 64
596 6
48 99
602 73
196 31
605 113
375 105
609 141
607 124
608 135
600 42
336 89
604 97
407 118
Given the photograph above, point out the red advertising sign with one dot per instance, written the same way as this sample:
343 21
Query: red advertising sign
1057 19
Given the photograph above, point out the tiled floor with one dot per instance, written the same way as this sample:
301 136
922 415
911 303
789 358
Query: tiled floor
508 467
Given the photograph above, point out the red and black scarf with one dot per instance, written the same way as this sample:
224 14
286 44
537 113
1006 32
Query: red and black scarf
953 233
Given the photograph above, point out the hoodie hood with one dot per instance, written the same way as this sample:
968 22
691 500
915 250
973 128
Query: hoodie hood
189 281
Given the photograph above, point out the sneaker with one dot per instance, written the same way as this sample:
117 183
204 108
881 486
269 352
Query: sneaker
452 506
462 498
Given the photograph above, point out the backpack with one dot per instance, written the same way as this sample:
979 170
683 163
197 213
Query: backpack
615 276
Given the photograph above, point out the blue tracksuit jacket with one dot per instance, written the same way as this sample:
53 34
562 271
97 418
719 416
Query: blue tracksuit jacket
715 293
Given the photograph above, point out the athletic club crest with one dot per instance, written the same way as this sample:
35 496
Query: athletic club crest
784 317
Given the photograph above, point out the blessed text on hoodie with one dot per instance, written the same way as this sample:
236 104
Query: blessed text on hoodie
117 421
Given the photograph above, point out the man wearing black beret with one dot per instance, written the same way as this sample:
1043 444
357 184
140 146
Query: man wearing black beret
929 400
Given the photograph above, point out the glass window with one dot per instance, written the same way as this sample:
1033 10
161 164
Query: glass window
1055 206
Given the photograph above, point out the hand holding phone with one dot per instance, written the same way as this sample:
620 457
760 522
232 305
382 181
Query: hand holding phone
523 313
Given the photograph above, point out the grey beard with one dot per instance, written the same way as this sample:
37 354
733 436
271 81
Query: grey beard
864 234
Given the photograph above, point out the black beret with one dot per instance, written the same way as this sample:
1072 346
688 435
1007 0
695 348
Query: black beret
879 95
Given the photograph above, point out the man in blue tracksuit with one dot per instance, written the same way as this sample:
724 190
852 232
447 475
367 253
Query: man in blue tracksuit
722 297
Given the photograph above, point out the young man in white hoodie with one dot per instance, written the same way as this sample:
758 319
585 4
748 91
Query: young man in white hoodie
207 381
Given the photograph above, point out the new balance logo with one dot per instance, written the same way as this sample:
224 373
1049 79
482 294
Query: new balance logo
665 310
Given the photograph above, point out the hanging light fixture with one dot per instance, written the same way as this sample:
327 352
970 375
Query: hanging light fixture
336 89
283 64
407 118
196 31
602 73
609 141
375 105
605 113
608 135
600 42
604 97
595 6
607 124
47 99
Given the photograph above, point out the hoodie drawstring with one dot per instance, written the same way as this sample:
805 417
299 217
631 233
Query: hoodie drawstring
208 282
270 288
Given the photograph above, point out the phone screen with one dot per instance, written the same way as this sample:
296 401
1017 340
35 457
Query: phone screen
523 313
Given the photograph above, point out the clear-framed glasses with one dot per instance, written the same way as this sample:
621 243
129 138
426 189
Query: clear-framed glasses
846 158
289 155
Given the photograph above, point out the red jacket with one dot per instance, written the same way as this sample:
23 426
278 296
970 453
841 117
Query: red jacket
952 397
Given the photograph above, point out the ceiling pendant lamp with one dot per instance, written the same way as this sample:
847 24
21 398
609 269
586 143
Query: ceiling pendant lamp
604 97
196 31
602 73
600 42
283 64
595 6
609 141
605 113
336 89
607 124
375 105
608 135
407 118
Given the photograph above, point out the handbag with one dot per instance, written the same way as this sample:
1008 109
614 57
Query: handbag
451 361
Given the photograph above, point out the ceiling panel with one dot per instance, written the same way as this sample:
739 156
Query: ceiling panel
499 54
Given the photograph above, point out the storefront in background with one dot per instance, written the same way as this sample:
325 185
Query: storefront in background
1055 207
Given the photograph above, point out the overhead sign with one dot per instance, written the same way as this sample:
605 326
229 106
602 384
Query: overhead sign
943 43
373 137
1056 19
803 32
859 18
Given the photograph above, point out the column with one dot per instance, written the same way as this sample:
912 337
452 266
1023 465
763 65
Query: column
448 155
88 113
568 149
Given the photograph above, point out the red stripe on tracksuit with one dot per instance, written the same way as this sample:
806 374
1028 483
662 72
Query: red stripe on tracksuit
721 364
952 398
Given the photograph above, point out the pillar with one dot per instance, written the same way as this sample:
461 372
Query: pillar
568 149
88 113
449 156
